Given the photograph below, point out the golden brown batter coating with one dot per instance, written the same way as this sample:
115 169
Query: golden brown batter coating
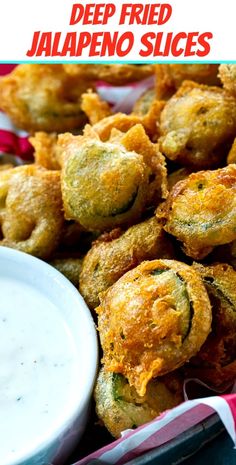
201 211
119 121
103 185
107 184
70 267
232 249
227 74
150 121
120 407
31 215
170 77
232 154
198 125
94 107
136 140
47 152
113 74
153 320
42 97
6 166
143 104
115 253
177 176
219 350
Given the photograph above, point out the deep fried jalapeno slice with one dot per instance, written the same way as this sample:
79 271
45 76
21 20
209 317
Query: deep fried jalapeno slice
108 184
227 74
216 361
153 320
120 407
198 125
70 267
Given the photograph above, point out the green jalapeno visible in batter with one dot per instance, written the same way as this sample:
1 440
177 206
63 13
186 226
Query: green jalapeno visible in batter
120 407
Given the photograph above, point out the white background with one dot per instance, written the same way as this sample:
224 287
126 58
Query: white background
20 18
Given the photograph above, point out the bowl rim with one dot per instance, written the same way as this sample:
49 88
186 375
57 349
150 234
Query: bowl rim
23 259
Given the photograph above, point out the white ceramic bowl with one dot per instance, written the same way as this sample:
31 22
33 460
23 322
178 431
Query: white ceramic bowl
26 285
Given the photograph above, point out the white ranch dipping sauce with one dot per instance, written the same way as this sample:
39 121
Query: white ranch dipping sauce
38 368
